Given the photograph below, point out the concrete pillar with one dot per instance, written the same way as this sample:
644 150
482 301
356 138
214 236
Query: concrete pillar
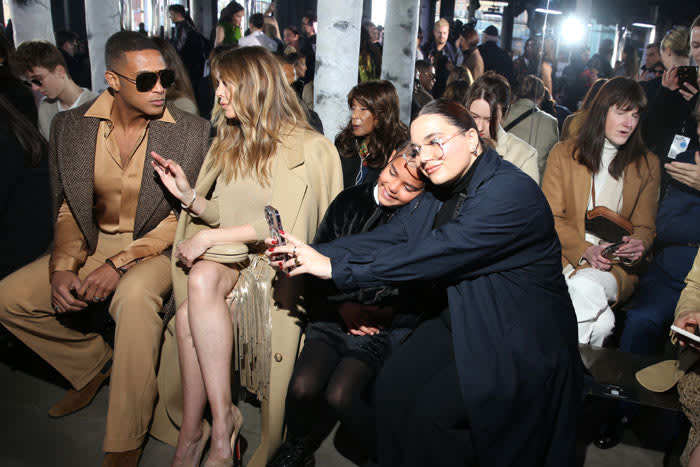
507 29
31 20
447 10
337 57
427 19
102 19
399 55
367 11
203 14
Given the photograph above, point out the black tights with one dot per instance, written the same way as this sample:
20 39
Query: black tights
326 387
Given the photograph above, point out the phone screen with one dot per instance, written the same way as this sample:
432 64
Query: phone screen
610 250
274 222
688 74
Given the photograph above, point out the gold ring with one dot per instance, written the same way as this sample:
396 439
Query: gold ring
297 263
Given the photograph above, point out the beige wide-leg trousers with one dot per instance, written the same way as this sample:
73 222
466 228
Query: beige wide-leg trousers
25 310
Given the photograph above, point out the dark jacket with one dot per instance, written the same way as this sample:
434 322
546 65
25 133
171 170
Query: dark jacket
25 205
440 60
678 227
498 60
513 325
668 115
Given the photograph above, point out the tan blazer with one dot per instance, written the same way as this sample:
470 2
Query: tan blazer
567 186
519 153
302 188
689 300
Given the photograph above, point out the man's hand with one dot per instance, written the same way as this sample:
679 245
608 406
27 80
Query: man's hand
99 284
63 284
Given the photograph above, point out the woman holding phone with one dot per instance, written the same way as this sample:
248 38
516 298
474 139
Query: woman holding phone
264 153
605 165
502 326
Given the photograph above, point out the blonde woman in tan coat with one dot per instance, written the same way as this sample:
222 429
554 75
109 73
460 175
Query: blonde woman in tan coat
607 158
264 153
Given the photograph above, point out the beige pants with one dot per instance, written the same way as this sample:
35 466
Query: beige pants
25 310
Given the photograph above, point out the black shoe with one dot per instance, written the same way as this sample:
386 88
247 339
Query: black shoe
294 453
610 433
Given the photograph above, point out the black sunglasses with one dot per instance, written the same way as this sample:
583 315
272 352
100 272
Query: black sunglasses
146 80
36 81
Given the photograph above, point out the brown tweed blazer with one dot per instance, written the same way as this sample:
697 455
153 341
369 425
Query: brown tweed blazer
72 167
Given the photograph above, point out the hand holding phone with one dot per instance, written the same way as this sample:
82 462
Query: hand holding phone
687 74
609 251
274 222
692 338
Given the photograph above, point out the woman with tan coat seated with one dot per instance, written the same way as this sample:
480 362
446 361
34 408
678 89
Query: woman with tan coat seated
264 153
606 165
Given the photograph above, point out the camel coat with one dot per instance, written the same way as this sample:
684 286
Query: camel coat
302 188
567 186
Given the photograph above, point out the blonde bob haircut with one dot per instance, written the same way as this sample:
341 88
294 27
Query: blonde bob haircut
266 108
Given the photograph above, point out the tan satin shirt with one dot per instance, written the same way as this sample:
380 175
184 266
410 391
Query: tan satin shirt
116 194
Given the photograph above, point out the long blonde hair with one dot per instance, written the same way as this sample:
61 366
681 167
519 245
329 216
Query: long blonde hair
265 106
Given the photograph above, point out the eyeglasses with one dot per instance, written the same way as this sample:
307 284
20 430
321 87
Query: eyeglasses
35 81
411 151
146 80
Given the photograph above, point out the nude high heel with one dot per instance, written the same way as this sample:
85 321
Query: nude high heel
206 432
236 459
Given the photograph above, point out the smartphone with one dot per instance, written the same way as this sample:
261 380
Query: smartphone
686 334
688 74
274 222
609 251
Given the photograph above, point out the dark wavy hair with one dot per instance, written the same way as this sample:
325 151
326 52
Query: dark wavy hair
494 89
625 94
30 140
381 99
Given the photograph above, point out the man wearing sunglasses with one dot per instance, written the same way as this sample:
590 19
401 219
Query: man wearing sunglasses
114 228
45 71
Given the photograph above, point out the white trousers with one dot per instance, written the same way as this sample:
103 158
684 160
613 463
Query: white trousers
592 291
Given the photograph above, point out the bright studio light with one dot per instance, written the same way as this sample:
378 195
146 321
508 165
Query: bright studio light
572 30
547 11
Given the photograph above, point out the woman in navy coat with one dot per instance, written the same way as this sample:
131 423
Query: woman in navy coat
494 376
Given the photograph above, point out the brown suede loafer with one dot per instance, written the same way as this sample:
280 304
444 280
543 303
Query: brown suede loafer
122 459
75 400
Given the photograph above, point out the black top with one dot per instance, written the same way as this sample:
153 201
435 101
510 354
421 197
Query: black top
25 205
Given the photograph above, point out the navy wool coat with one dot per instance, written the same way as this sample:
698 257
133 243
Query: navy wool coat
513 325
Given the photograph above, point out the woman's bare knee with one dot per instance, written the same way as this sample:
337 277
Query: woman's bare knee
208 277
